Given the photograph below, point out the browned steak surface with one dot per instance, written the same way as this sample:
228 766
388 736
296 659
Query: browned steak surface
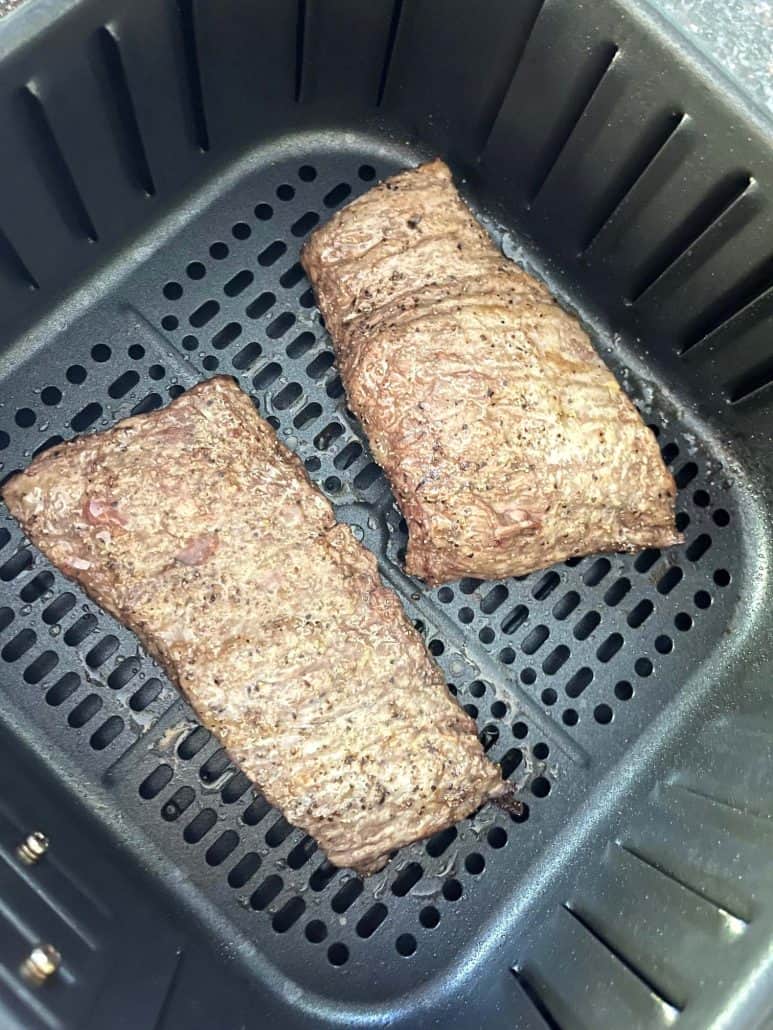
200 531
506 439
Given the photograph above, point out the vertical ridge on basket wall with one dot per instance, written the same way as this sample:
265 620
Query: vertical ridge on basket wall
596 985
709 216
246 55
332 68
735 250
16 280
435 81
661 915
157 68
120 102
625 165
754 372
53 165
192 70
743 297
624 125
43 236
540 109
72 99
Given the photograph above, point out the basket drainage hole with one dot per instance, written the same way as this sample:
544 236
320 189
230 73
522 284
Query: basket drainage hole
452 890
429 917
265 894
623 690
520 730
307 173
367 173
337 954
25 417
76 374
475 863
497 837
288 915
570 717
540 786
664 644
172 291
373 918
101 352
347 895
181 800
602 714
522 815
316 931
155 782
683 621
405 944
302 851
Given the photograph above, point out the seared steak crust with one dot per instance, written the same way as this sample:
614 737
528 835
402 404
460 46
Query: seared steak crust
201 532
507 441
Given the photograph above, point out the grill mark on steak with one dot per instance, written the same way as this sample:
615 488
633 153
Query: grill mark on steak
229 566
507 441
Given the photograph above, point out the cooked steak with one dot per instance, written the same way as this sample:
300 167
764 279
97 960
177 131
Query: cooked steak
201 532
507 441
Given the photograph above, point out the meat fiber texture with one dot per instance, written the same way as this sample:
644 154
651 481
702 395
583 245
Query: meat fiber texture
508 443
201 532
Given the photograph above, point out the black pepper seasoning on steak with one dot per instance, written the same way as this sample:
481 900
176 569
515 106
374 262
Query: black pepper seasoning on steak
200 531
507 441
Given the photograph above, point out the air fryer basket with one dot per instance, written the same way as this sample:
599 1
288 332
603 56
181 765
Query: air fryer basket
162 164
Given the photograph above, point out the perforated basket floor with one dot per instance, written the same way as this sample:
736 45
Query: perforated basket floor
562 669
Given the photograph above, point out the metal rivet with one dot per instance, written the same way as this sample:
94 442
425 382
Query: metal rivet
32 849
41 963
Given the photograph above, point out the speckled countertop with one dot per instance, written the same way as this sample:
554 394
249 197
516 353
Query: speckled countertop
8 5
736 34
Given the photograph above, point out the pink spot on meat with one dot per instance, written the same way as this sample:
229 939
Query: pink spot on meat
98 512
198 549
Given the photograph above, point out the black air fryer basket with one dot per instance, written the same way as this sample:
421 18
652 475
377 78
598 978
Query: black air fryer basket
160 166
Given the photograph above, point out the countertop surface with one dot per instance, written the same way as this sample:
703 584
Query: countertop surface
735 34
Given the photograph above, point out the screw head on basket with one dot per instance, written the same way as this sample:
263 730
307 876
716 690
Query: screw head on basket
33 847
41 964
